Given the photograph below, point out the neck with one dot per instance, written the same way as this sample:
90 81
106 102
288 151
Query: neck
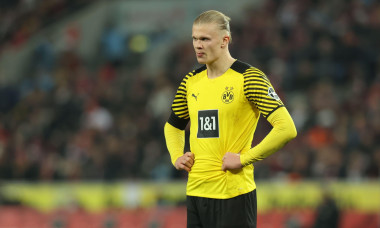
219 66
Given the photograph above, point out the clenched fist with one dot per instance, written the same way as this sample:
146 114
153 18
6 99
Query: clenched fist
185 162
231 161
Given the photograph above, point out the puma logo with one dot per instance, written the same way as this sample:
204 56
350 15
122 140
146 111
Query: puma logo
195 96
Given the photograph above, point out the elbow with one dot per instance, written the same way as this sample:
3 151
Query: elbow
292 133
165 128
289 133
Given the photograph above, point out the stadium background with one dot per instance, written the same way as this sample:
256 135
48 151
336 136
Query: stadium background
86 87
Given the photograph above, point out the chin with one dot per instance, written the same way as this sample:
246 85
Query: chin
201 61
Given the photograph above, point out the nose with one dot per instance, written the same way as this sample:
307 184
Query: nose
197 44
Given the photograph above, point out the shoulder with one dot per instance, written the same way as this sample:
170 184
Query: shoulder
247 70
193 74
199 70
240 67
196 71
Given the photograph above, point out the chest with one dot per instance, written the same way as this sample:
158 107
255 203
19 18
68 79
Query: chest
225 95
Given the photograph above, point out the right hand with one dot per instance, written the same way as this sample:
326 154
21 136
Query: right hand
185 162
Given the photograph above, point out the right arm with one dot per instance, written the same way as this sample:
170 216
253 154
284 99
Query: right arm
174 130
175 142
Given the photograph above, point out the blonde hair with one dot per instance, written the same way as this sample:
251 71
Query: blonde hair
213 16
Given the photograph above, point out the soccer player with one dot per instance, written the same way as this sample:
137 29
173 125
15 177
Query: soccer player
223 101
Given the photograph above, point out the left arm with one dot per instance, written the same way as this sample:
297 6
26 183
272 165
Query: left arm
283 131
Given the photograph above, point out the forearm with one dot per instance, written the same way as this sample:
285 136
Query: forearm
283 131
175 141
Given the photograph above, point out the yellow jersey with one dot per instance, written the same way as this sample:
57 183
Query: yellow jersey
223 113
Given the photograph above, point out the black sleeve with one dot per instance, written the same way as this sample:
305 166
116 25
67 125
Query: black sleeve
177 122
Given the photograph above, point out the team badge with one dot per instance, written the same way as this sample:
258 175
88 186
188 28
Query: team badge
273 94
228 96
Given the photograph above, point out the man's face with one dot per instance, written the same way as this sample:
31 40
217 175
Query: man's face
207 42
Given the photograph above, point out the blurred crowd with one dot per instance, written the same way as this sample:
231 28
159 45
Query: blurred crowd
71 120
21 19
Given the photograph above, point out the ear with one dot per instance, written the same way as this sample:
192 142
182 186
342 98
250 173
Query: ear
226 41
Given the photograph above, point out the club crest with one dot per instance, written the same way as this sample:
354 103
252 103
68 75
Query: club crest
228 95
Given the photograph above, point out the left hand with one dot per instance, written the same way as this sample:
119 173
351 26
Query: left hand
231 161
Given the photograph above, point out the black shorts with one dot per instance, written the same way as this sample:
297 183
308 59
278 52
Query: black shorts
237 212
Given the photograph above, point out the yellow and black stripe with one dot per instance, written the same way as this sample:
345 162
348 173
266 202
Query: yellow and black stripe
179 117
256 89
179 106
